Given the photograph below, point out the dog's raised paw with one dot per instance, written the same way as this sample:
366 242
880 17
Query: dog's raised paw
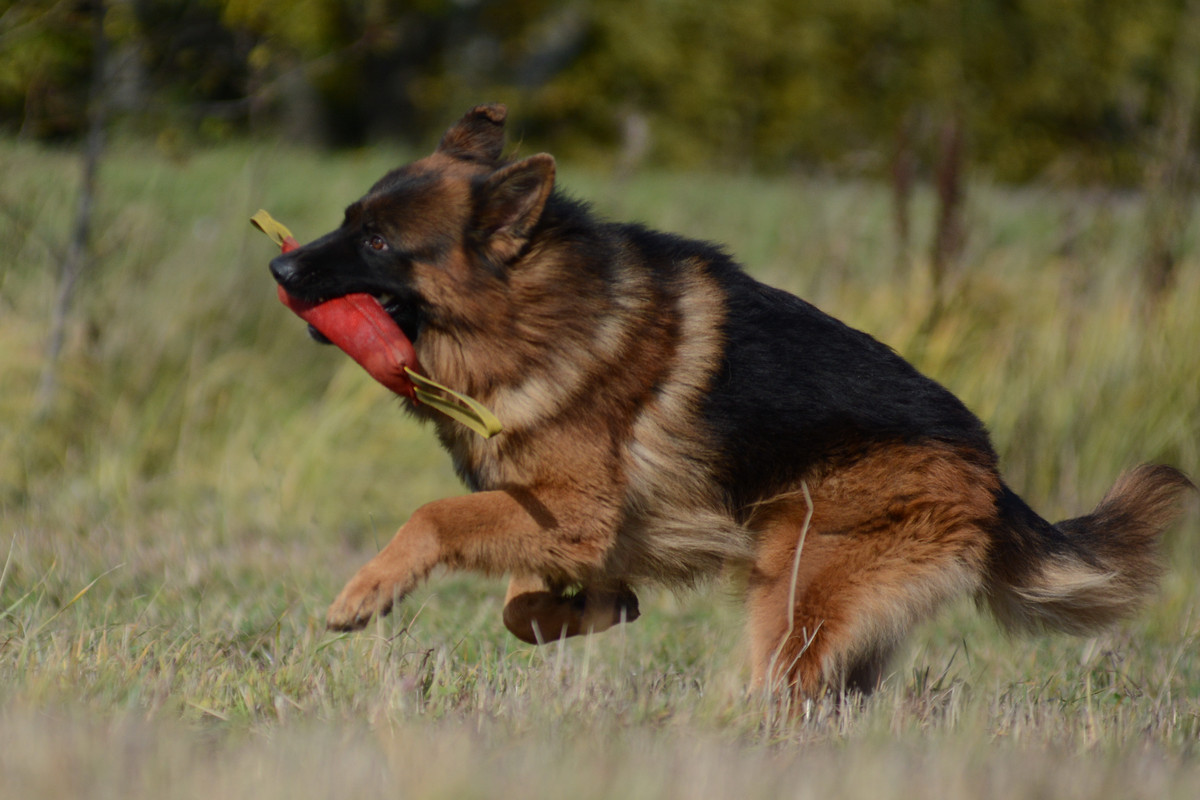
358 602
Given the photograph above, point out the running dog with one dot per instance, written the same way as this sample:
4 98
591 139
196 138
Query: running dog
666 415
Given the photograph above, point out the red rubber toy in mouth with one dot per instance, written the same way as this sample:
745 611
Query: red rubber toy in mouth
356 323
362 329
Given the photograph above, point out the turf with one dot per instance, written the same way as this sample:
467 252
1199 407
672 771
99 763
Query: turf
172 527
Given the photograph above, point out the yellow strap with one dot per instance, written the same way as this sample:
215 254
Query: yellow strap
270 226
467 410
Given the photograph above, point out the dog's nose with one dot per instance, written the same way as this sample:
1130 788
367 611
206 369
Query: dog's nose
283 267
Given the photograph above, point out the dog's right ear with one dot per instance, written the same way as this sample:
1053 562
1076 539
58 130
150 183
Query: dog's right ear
509 204
478 136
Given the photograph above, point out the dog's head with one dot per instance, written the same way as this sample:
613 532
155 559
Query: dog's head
432 234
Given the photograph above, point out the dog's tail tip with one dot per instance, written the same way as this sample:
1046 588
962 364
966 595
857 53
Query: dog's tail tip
1093 570
1148 498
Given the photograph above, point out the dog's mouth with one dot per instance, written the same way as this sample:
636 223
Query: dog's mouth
403 312
317 336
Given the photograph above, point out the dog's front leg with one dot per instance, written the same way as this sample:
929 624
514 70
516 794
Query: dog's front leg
491 532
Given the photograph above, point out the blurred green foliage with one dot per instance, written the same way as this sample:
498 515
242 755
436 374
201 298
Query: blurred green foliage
1069 88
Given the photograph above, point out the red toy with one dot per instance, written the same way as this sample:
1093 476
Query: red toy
359 326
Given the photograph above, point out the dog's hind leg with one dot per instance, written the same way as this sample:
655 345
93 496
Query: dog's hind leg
536 611
844 572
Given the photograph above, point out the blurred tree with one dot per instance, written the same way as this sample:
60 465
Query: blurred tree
45 58
1173 164
77 258
1068 88
195 67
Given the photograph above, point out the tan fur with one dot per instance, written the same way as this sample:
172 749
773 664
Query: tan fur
676 529
891 538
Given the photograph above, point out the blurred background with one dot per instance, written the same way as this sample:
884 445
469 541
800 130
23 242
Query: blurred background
1082 90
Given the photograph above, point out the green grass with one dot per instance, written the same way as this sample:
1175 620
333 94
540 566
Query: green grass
172 528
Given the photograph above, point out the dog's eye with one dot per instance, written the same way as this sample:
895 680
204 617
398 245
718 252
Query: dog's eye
377 242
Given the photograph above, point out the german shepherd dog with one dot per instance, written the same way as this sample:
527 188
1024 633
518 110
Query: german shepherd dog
666 415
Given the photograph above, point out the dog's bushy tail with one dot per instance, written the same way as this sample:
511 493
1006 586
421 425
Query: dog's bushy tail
1082 574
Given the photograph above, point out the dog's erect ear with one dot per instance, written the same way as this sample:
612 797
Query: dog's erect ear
510 203
478 136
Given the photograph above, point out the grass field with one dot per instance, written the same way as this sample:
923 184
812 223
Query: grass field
172 528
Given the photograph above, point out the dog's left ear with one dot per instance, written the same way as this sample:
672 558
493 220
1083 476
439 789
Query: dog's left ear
478 136
509 204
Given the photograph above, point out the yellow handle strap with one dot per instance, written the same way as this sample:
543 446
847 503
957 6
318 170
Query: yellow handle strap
467 410
271 227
